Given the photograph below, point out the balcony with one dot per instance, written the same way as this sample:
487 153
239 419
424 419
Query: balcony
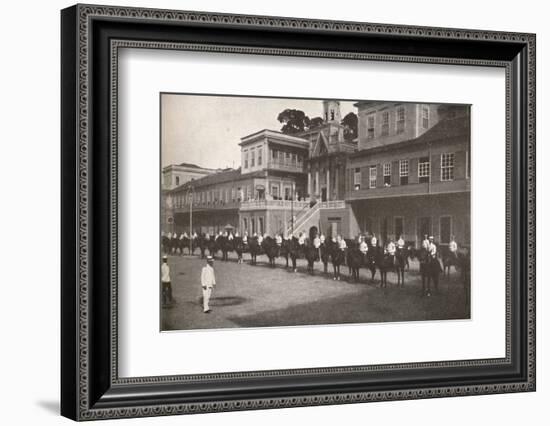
286 166
273 204
459 185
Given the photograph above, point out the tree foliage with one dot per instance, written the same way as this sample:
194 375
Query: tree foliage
350 126
294 121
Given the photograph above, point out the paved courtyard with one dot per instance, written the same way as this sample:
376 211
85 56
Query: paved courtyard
258 296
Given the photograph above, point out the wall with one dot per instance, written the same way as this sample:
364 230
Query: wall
29 311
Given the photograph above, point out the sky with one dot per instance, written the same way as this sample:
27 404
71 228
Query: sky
206 130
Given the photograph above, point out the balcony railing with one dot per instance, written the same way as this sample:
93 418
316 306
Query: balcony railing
335 204
286 166
283 204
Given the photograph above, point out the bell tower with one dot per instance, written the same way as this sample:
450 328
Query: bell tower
331 111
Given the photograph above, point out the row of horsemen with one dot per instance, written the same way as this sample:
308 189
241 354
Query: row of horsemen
361 252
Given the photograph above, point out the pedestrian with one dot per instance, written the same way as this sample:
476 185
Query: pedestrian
166 282
208 282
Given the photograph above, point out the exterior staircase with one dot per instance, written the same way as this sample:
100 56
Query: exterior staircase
305 220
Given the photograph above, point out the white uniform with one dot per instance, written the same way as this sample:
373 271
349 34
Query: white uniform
208 281
317 242
342 244
453 246
391 248
373 241
278 239
432 248
363 247
165 273
400 243
425 244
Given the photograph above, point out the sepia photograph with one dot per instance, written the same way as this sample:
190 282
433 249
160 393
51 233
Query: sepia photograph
280 212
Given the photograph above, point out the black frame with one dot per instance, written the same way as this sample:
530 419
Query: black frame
90 387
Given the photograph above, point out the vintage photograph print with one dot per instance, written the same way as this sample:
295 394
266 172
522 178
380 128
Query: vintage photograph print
292 212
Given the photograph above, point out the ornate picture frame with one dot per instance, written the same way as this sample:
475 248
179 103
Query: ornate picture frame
91 37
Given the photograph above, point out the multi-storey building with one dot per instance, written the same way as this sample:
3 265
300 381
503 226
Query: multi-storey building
410 175
407 173
173 176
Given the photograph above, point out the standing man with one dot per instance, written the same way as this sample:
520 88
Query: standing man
208 281
453 247
166 282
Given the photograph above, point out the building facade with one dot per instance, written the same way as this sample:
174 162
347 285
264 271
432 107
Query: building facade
398 185
406 174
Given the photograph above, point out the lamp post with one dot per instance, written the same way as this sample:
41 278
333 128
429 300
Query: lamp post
292 208
191 221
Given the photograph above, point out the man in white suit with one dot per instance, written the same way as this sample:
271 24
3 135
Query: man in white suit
208 282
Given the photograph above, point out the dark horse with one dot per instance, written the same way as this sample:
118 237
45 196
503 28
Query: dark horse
338 256
239 248
450 259
295 252
226 245
430 269
325 255
255 249
386 263
401 261
271 249
311 253
354 260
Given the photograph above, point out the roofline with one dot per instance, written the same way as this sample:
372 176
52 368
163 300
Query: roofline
245 140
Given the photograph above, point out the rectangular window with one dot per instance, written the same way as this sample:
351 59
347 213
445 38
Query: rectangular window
425 117
287 193
447 166
261 225
275 192
387 174
445 224
385 123
400 120
398 226
245 159
357 179
403 172
370 126
287 159
252 157
424 170
245 224
372 177
259 156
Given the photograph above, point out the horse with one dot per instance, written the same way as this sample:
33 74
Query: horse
325 255
165 244
255 249
295 252
226 245
370 260
212 246
285 250
202 243
338 257
386 263
430 268
311 254
401 261
450 259
271 249
238 246
354 260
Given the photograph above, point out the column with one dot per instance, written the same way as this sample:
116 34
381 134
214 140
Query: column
336 173
316 183
328 183
309 183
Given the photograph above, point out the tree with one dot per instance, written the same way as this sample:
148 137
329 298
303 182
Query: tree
350 126
294 121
